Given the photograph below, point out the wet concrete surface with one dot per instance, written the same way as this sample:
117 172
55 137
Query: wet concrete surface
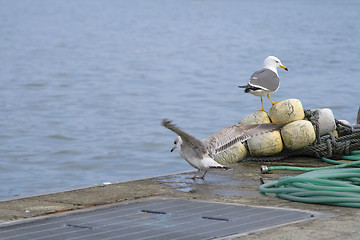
237 186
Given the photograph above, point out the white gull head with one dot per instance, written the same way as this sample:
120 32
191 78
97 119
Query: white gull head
177 144
273 63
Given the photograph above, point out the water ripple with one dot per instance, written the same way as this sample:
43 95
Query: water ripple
84 85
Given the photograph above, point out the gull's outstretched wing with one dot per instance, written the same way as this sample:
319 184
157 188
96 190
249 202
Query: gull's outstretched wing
188 140
228 136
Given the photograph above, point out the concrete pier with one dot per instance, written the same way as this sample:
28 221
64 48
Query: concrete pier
238 186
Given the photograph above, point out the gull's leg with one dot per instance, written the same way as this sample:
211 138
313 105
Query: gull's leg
273 103
262 105
194 177
202 177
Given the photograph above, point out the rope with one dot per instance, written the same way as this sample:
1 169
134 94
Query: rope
313 117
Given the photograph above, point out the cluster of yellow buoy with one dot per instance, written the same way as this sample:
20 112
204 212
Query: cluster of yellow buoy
296 133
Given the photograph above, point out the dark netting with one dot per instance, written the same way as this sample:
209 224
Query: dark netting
328 146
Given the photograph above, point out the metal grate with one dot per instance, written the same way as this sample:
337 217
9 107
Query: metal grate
154 219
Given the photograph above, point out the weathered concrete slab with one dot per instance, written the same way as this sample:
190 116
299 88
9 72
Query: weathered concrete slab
237 186
157 218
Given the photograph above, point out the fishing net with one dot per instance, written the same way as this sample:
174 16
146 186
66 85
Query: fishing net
328 145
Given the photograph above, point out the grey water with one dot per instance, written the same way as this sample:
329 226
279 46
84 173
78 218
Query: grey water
84 84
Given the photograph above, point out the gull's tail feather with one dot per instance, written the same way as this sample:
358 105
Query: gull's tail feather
249 88
220 167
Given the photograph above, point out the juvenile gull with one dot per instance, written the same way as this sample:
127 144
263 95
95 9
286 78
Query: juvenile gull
266 80
199 153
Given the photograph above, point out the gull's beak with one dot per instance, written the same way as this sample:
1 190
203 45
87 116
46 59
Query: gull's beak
173 149
283 67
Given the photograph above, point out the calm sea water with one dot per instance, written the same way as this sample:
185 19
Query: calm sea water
84 84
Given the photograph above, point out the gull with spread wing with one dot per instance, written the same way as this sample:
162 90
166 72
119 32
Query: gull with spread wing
199 153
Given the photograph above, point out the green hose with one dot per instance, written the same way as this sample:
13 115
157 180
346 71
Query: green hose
334 185
331 187
355 158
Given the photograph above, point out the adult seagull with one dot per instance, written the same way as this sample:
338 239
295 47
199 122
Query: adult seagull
266 80
199 153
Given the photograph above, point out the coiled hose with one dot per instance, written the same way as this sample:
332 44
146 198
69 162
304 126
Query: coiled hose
355 157
335 185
